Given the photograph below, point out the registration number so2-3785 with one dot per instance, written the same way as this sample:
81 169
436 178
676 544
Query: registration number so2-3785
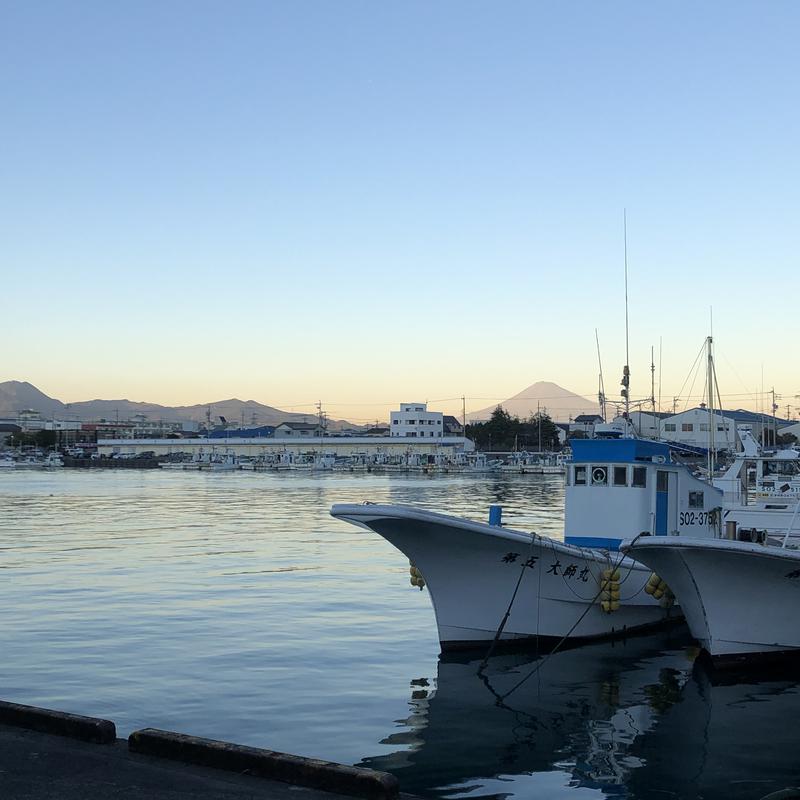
695 518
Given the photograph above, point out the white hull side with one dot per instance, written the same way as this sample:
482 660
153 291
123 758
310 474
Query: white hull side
739 599
471 570
775 520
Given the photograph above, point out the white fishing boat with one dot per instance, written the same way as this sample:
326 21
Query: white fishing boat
30 462
740 599
220 462
491 582
534 464
476 463
761 489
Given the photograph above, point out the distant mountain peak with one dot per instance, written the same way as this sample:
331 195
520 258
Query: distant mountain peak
560 403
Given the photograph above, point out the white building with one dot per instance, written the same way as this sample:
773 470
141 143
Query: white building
414 421
648 424
584 424
298 429
693 427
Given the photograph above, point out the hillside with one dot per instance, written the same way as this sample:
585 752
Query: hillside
18 395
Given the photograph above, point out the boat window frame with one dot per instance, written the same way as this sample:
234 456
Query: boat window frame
637 473
584 470
597 469
620 471
693 499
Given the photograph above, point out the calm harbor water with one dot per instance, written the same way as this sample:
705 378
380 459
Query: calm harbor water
233 606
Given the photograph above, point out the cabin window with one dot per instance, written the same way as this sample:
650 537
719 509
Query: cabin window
696 500
669 426
704 426
580 476
639 477
687 427
599 476
620 476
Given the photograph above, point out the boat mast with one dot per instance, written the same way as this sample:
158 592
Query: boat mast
626 372
660 364
711 465
601 391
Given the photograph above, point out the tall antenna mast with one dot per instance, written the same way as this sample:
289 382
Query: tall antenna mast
652 384
652 379
601 393
626 372
660 364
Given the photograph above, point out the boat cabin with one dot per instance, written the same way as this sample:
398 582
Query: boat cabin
751 479
620 488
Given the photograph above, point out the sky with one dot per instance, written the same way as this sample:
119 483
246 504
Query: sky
366 203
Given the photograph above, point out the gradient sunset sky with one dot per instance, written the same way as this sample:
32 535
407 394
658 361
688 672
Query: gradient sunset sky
365 203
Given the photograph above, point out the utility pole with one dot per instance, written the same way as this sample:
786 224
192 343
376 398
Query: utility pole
539 424
774 419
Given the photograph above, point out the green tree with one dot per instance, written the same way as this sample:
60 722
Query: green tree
504 432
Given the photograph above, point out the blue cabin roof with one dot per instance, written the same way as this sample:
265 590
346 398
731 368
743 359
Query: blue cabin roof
621 451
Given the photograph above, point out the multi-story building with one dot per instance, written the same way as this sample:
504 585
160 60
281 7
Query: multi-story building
414 421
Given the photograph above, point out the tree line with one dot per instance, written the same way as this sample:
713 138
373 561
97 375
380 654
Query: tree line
504 432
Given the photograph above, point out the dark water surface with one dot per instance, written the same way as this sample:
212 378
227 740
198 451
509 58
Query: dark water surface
233 606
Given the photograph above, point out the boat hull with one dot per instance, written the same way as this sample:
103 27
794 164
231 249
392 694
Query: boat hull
740 600
473 570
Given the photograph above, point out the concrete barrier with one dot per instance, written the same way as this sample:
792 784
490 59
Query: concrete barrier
75 726
296 770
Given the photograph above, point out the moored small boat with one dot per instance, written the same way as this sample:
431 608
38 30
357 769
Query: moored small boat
487 581
740 599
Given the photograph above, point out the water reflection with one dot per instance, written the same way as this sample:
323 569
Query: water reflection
633 719
235 607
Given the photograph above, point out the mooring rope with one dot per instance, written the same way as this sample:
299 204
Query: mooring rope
499 631
538 666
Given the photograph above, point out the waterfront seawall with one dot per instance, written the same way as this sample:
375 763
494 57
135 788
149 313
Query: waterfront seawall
46 753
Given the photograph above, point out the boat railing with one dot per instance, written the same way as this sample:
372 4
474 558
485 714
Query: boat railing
791 525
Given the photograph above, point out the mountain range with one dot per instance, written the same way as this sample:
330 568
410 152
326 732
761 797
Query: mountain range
15 396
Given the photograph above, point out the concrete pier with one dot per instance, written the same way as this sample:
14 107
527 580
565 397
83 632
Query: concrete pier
46 754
